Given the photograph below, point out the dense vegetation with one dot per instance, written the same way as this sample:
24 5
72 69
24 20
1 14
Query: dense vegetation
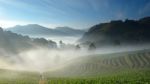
14 43
119 33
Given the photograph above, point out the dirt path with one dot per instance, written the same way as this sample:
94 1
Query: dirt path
42 79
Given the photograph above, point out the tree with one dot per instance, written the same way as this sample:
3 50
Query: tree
61 44
92 46
117 42
78 47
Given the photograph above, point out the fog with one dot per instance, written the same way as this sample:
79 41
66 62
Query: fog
39 59
45 59
66 39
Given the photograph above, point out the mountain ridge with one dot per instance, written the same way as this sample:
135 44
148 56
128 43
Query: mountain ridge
38 30
14 43
119 32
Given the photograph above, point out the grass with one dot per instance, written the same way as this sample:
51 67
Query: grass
122 68
18 77
133 76
117 68
125 77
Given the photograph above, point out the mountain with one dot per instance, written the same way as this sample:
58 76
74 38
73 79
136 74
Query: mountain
12 43
37 30
69 31
119 33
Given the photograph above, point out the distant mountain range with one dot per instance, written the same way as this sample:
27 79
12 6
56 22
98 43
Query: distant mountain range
119 32
38 30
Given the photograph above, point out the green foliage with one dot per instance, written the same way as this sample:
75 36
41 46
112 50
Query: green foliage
128 31
127 77
13 43
92 46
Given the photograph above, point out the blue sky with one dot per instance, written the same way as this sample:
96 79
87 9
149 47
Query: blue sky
73 13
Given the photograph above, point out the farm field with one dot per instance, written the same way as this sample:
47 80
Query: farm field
117 68
74 41
126 77
100 64
18 77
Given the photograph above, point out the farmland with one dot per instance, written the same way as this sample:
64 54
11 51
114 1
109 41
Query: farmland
18 77
116 68
128 77
140 76
105 64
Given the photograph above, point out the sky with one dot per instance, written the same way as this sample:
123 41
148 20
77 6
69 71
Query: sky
78 14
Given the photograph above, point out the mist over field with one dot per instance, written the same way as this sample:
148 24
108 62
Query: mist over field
45 59
74 41
71 56
39 59
43 53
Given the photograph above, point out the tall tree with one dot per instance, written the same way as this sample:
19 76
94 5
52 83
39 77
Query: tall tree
92 46
78 47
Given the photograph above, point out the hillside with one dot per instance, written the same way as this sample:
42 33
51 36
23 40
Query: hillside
119 32
12 43
38 30
100 64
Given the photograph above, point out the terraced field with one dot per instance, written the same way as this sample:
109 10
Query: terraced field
131 60
106 63
117 68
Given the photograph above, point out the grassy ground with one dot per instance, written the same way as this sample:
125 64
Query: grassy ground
18 77
117 68
134 76
122 68
125 77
